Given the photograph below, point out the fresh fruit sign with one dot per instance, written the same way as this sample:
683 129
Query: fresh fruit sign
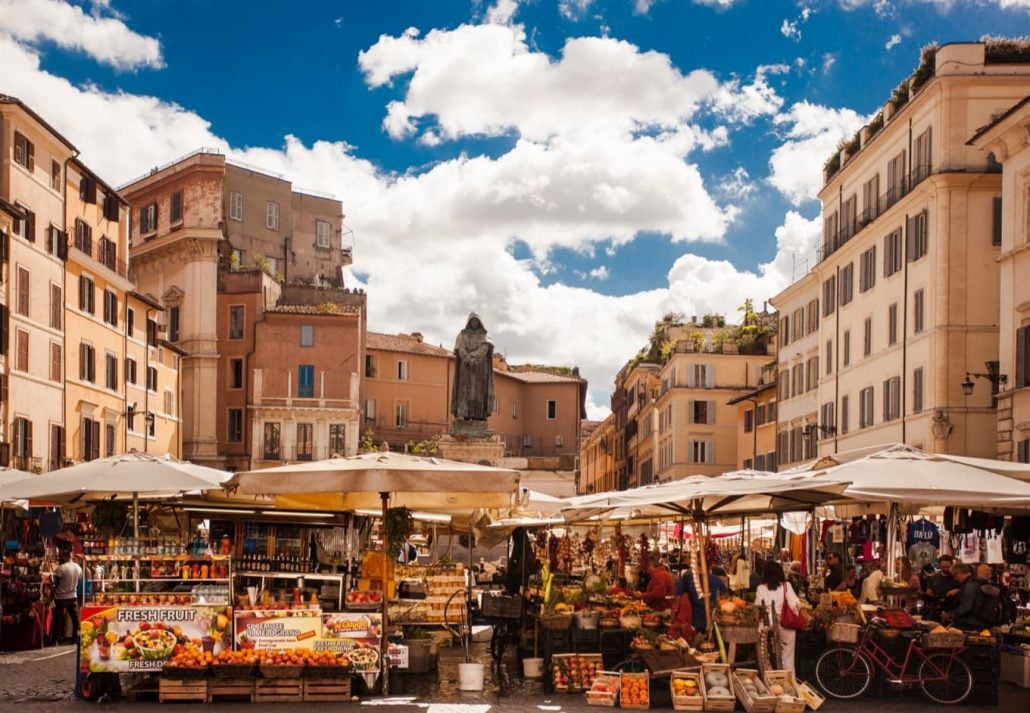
126 638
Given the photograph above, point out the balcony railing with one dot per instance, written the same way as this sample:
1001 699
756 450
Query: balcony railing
881 205
105 252
30 464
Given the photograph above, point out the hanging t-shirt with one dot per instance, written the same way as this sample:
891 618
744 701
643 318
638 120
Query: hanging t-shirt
1017 545
992 544
860 531
921 554
970 552
923 530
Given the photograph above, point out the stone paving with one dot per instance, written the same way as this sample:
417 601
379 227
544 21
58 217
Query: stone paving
42 682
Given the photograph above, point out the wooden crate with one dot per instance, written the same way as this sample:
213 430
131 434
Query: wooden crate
687 703
626 676
796 704
278 690
326 690
170 689
727 703
752 704
813 699
607 698
236 689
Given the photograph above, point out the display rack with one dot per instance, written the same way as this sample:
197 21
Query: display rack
306 576
133 574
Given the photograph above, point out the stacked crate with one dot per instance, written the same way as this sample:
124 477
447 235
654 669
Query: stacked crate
985 663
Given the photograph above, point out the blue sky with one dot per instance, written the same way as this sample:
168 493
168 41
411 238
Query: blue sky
571 169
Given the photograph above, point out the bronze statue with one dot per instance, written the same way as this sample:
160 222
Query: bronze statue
472 395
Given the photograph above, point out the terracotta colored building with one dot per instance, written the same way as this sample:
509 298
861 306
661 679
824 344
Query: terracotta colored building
407 392
203 215
1006 141
289 371
877 338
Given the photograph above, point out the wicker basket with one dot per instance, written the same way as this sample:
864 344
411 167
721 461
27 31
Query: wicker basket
629 622
556 622
947 640
184 673
739 634
282 671
843 633
232 670
608 623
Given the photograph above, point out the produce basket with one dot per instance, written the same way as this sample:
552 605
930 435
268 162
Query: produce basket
281 671
608 623
783 685
363 606
717 691
944 640
629 622
323 671
232 670
574 672
556 622
687 691
980 640
844 633
184 673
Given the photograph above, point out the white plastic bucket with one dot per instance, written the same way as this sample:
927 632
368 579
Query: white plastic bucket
470 677
587 620
533 668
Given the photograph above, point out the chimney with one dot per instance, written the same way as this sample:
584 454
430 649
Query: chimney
417 336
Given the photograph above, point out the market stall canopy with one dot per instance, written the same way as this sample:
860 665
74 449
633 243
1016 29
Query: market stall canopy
904 474
731 493
13 475
356 482
118 477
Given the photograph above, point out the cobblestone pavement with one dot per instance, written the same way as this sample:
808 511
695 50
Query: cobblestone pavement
42 682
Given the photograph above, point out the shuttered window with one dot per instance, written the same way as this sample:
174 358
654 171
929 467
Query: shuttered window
829 296
892 398
917 236
702 411
892 253
22 305
847 283
867 270
918 310
865 407
917 390
24 151
56 306
844 415
996 221
892 324
21 362
55 361
1022 357
87 363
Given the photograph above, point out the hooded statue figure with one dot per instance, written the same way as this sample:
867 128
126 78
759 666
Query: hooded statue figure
472 396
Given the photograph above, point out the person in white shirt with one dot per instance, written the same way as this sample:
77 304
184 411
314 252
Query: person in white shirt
871 584
66 591
771 593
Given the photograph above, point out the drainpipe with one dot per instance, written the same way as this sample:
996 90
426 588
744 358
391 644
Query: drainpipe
146 383
64 297
836 356
904 340
754 431
247 426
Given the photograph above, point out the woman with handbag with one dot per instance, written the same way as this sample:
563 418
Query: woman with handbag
782 609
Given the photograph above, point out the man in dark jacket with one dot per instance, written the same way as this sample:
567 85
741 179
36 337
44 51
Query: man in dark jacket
965 613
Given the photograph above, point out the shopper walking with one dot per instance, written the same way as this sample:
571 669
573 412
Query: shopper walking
772 593
66 589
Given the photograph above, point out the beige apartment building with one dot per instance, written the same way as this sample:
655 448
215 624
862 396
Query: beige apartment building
877 338
756 423
696 432
1007 141
407 392
597 472
201 215
33 161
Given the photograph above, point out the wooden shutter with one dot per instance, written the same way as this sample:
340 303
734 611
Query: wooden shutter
1022 357
88 189
28 437
996 221
95 441
23 350
5 247
55 362
710 376
4 395
5 327
710 412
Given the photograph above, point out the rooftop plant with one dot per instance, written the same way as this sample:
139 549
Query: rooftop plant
832 165
1006 50
927 66
900 95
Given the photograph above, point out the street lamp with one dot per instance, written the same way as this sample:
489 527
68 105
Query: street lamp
997 380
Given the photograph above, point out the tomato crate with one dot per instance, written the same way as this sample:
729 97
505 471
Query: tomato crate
635 691
605 689
171 689
572 673
687 691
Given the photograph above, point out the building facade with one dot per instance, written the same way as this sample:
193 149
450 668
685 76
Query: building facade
904 300
407 394
756 424
597 472
1007 140
201 216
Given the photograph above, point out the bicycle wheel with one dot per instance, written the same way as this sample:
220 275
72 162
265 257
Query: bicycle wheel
956 684
843 673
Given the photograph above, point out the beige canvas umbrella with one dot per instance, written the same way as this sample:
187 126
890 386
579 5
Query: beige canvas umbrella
363 481
129 476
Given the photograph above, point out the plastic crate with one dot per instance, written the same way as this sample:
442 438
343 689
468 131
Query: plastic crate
586 641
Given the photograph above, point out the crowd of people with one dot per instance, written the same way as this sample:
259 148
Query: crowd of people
957 594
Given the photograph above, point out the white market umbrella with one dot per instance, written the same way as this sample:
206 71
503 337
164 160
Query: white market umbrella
907 475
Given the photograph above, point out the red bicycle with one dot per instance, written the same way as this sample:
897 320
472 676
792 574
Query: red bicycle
845 671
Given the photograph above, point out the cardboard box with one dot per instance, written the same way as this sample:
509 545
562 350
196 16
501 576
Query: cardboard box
1015 668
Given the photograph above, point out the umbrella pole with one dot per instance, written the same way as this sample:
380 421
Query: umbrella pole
703 559
468 594
892 536
135 515
384 660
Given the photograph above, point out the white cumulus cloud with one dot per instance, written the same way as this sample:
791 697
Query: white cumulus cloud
811 134
102 34
893 42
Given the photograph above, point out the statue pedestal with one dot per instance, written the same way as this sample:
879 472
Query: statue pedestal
468 449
